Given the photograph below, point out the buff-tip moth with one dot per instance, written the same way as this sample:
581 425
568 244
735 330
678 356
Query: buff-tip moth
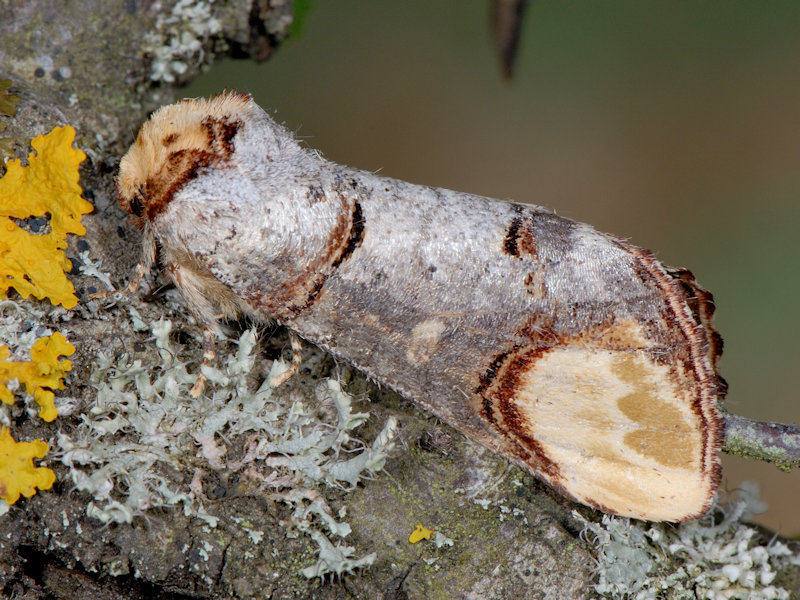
572 353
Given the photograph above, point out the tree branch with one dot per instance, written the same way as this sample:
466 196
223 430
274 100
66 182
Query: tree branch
771 442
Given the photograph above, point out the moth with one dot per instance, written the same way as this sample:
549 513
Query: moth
572 353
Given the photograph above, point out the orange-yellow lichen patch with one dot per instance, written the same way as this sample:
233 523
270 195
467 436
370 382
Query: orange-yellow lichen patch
42 374
419 534
47 186
17 473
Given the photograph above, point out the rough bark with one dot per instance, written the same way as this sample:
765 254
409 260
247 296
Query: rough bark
81 62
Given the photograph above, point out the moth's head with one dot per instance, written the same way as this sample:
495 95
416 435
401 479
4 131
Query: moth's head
174 146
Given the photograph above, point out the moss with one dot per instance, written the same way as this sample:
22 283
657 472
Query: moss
440 491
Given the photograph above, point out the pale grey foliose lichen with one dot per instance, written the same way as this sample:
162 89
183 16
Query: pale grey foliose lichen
143 424
179 37
713 557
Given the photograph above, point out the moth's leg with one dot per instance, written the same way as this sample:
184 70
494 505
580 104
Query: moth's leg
203 301
209 356
133 284
294 367
142 268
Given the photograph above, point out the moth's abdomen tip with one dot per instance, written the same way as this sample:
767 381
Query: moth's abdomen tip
613 426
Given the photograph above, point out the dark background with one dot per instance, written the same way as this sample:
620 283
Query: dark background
675 125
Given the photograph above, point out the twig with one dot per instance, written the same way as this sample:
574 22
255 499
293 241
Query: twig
771 442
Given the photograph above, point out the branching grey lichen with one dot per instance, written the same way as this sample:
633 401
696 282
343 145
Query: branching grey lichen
717 556
143 427
179 38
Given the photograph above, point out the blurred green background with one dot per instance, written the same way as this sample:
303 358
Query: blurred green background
675 125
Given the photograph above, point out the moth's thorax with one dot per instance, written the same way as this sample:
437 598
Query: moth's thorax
174 147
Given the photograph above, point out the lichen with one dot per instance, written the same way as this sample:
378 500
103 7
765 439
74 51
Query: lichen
144 426
42 374
717 556
46 191
179 38
335 560
18 475
36 264
419 534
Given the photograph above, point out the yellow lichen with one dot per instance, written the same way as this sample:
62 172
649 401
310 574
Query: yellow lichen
42 374
17 473
47 186
419 534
